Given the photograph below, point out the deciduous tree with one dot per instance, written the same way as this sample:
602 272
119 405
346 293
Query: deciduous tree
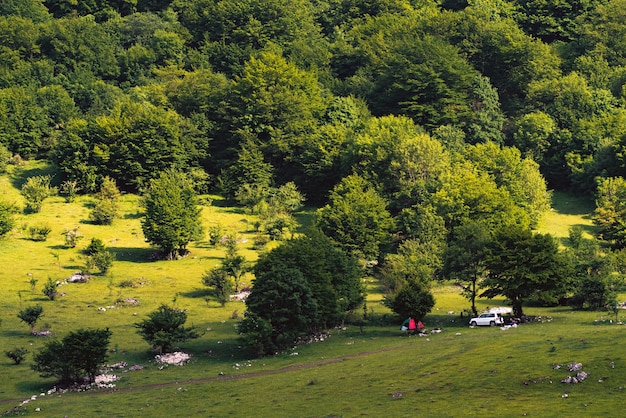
465 258
79 353
356 218
520 264
303 286
165 327
31 315
172 216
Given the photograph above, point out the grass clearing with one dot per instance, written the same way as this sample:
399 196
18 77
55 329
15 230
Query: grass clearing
380 372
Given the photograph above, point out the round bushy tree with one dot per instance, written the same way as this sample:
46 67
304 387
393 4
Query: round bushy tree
412 300
304 286
280 309
165 327
31 315
80 353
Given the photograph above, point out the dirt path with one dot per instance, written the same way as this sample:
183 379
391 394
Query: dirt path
231 377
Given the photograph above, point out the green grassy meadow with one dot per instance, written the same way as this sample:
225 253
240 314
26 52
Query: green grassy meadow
378 372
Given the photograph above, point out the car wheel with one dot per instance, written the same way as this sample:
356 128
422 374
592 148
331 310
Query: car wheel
473 323
492 323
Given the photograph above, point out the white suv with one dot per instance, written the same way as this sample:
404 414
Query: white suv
488 318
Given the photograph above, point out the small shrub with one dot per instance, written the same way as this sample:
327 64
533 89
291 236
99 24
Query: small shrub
72 236
102 261
35 191
17 160
165 327
95 246
5 156
126 283
215 234
104 212
7 221
39 232
31 315
69 189
80 353
50 289
17 354
260 241
222 284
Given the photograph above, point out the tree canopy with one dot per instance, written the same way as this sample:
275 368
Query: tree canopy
521 264
301 288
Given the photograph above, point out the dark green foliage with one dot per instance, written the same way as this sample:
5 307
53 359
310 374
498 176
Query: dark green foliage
230 31
5 155
34 10
279 106
79 354
465 259
31 315
39 231
593 293
172 217
165 327
610 213
50 289
102 260
221 282
356 218
553 20
216 232
520 264
304 286
413 300
7 221
95 246
132 143
280 308
17 354
97 256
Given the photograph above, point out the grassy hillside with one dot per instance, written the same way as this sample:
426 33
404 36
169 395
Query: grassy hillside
379 372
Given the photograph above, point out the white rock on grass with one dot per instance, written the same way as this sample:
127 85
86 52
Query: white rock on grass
177 358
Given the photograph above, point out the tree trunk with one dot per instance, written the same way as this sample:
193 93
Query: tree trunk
474 311
517 308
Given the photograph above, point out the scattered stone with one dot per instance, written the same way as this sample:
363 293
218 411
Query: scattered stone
78 277
572 367
177 358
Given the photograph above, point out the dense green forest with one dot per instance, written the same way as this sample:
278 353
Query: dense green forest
418 127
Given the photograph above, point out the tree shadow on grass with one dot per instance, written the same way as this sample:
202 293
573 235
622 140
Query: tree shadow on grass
197 293
136 215
21 175
570 204
58 247
136 255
